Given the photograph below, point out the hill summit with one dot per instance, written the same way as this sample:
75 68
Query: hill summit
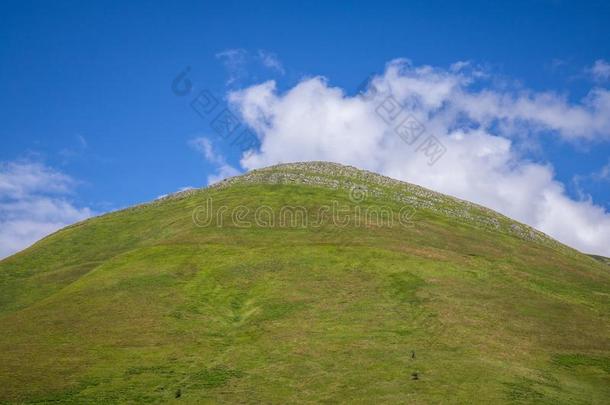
304 282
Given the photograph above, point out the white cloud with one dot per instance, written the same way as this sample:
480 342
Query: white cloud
33 204
314 121
452 94
234 61
271 61
603 173
223 169
22 178
600 71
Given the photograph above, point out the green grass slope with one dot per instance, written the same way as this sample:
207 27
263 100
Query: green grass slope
602 259
456 305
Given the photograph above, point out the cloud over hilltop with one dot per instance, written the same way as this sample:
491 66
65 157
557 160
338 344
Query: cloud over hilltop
478 124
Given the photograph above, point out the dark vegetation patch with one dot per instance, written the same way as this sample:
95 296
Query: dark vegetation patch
404 286
573 361
524 391
213 377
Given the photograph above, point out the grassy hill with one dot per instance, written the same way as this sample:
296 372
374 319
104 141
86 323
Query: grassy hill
602 259
400 295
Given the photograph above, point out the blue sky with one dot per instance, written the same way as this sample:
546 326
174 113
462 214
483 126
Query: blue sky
87 103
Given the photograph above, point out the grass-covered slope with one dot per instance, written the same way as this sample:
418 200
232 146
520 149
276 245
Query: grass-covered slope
151 304
602 259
